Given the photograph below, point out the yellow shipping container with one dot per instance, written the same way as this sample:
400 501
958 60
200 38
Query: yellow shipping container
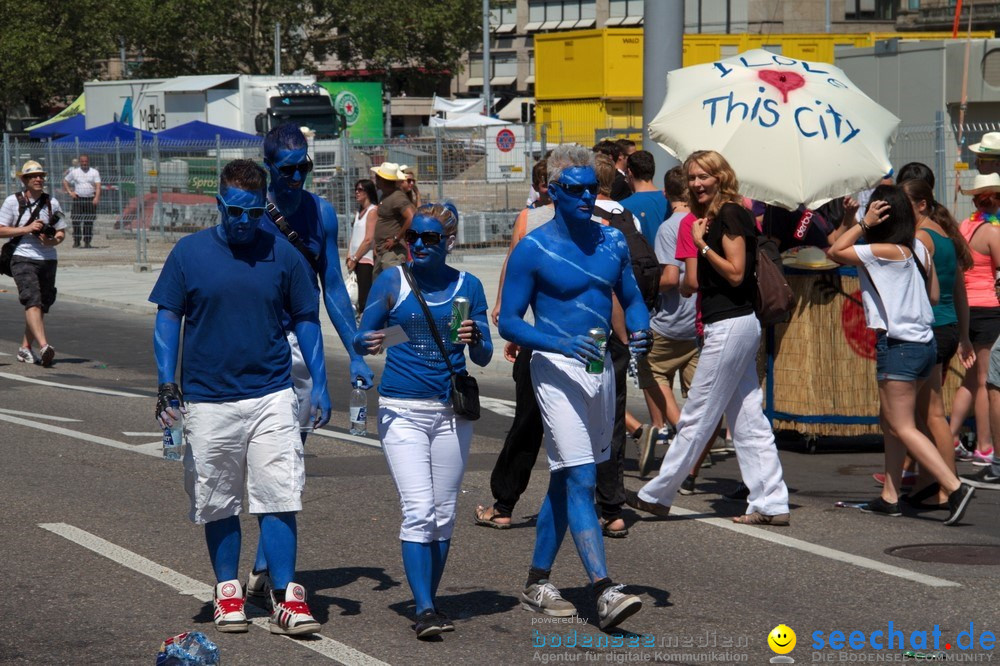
588 83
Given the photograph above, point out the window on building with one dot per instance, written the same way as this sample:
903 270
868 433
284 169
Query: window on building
475 70
625 12
870 10
536 15
561 14
913 5
503 16
504 69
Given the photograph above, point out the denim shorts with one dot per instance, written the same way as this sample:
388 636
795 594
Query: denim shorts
903 361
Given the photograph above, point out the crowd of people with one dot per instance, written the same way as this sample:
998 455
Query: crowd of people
622 277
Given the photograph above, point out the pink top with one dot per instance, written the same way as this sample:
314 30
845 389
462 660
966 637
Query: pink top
979 278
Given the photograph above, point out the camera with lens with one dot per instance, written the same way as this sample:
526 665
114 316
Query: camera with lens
49 229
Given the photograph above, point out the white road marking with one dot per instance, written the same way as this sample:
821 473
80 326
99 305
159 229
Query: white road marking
71 387
104 441
347 437
816 549
139 434
327 647
501 407
39 416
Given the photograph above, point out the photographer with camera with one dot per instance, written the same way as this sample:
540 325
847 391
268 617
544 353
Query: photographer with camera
32 220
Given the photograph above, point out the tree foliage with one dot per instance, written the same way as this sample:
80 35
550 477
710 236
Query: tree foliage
48 52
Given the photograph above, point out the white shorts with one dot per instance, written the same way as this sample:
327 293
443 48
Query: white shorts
252 442
578 409
426 447
302 383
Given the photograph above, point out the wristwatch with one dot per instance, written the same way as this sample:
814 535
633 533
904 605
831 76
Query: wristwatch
704 251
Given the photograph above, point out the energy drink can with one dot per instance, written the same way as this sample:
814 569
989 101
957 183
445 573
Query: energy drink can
459 313
600 339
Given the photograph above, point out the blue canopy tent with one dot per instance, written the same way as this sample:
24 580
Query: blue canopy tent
198 131
107 134
72 125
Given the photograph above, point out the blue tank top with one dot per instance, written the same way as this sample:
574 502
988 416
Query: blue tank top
416 369
946 266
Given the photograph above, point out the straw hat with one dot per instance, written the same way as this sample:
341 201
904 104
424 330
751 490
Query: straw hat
990 145
387 171
408 171
984 183
31 167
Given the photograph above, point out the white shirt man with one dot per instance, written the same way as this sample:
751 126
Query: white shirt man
86 194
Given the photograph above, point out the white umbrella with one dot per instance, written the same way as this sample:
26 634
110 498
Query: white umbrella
795 132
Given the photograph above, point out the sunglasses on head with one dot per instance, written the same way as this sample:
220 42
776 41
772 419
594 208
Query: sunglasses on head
577 190
428 237
236 212
302 167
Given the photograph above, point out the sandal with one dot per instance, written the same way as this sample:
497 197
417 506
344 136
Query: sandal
758 518
610 533
487 517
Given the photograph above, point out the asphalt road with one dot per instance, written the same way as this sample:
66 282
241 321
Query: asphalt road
101 565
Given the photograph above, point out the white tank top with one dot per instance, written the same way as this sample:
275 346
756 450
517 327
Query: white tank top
358 230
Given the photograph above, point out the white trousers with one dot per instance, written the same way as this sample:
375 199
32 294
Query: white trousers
426 447
726 383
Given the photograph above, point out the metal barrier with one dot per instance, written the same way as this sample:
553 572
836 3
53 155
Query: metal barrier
154 192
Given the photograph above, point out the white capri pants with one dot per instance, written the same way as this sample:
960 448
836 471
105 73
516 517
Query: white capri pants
302 383
255 441
426 447
578 409
726 382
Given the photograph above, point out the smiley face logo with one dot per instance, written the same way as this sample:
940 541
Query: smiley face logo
781 639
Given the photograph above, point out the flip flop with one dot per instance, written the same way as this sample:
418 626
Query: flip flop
490 520
612 534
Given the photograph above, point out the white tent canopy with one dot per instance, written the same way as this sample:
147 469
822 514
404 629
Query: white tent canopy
466 120
461 113
458 106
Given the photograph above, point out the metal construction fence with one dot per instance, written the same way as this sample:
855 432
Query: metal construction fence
154 192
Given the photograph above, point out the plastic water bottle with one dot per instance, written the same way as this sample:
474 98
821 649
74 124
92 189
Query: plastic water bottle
359 410
173 436
188 649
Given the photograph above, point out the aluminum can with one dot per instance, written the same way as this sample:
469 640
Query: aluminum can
459 313
600 339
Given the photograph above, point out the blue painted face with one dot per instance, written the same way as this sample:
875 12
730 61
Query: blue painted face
281 168
427 242
574 194
239 212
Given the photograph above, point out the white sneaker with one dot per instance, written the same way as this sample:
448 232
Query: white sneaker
614 606
230 616
291 617
258 589
545 598
25 355
48 354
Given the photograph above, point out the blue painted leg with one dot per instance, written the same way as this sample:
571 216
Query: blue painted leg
417 563
279 538
552 522
223 538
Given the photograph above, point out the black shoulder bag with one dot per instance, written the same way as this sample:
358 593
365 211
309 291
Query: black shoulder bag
464 388
7 251
293 236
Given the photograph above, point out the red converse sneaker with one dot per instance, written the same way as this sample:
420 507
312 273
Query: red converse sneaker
230 617
291 615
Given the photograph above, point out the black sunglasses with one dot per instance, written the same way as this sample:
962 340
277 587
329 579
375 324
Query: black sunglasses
428 237
577 190
302 167
236 212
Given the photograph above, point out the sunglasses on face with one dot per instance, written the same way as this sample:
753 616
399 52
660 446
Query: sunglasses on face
237 212
33 176
302 167
428 237
577 190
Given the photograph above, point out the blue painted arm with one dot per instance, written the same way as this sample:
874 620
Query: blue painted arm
336 300
311 342
381 298
636 313
481 352
166 344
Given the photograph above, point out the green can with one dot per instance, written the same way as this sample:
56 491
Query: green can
600 339
459 313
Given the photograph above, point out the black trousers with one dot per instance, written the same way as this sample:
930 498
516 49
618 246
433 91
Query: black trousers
512 470
364 275
611 473
84 212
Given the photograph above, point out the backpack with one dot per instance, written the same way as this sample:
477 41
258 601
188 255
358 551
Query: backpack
773 299
645 266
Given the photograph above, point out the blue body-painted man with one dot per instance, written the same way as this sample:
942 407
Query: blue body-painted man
286 155
233 286
567 271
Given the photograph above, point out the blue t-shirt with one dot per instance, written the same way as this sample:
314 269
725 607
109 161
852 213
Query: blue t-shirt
650 209
233 300
416 369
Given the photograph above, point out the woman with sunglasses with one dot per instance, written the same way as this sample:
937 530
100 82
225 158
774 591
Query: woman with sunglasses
725 381
360 258
426 445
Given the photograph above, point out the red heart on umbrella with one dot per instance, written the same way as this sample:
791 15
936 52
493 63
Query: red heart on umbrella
783 81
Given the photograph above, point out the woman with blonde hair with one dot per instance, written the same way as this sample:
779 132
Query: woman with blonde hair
726 379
